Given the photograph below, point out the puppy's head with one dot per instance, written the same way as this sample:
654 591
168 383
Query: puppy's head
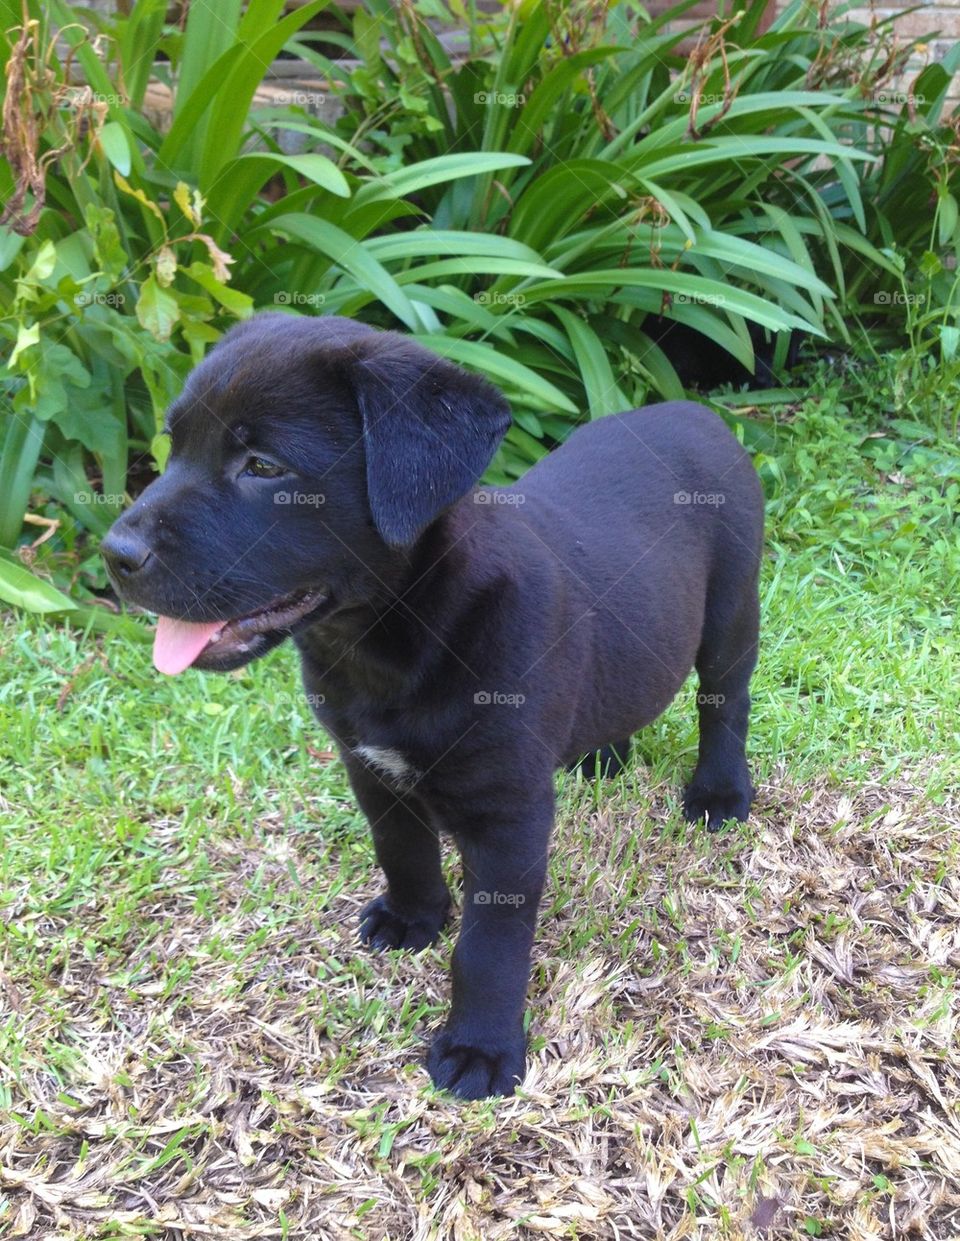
308 457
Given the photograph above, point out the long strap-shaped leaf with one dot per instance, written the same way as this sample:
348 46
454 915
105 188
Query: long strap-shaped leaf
346 252
228 119
731 298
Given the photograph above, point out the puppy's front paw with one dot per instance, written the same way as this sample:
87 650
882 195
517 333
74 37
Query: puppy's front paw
381 927
471 1068
715 806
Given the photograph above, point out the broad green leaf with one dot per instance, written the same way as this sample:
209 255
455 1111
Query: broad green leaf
127 627
26 336
241 180
11 244
190 204
259 18
88 419
722 150
848 236
60 380
157 309
316 168
671 204
554 203
21 588
239 304
478 265
42 266
492 361
107 247
603 393
113 139
947 219
430 243
279 118
22 442
228 117
258 166
138 45
190 109
537 108
783 106
845 170
436 171
735 251
532 450
209 32
139 195
346 252
729 298
783 221
658 366
160 450
471 312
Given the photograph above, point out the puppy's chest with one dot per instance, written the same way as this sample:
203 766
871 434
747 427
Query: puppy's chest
390 764
383 749
398 745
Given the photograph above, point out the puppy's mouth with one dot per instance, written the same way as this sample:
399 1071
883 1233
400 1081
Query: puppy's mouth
219 646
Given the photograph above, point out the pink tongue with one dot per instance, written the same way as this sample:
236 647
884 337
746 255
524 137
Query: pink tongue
177 643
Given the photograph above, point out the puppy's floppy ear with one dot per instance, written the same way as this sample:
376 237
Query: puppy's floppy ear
429 430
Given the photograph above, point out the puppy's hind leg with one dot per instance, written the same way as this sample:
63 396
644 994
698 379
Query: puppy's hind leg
720 788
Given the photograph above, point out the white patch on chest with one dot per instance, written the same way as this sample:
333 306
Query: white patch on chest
390 763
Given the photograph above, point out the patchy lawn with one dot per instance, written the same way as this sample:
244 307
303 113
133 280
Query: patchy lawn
735 1035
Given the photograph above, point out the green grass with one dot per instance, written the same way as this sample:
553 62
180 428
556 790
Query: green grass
172 847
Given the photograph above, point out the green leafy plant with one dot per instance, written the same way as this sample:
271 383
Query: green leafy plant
645 186
911 296
535 208
111 280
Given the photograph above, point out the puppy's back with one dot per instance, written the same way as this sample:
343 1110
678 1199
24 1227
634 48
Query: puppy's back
655 465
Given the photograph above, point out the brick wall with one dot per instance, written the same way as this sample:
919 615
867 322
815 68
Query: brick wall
943 17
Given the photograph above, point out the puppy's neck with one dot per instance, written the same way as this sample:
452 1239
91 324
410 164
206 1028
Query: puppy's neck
386 638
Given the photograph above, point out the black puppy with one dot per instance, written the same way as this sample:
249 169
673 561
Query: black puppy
459 643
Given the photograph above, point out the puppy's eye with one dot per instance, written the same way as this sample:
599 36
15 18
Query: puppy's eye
260 467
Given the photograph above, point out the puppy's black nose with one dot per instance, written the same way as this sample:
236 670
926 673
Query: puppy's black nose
124 553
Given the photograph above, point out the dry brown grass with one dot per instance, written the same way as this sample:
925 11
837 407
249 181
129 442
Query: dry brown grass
739 1036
